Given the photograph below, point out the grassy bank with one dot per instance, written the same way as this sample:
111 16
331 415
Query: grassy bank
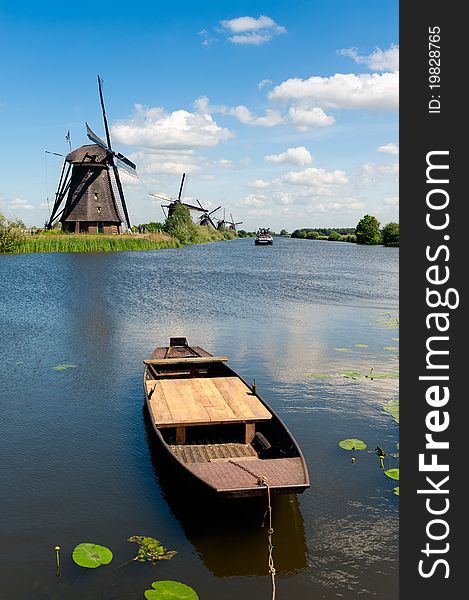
93 243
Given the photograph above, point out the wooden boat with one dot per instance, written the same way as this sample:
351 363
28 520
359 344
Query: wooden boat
215 428
264 237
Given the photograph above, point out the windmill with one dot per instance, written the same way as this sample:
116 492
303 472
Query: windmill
224 224
203 219
91 187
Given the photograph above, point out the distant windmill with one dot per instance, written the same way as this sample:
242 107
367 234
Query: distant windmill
224 224
204 219
93 194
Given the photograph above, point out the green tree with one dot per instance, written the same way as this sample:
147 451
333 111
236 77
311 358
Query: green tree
334 236
367 230
11 233
179 224
390 234
283 232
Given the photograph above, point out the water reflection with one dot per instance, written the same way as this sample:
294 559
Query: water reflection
228 534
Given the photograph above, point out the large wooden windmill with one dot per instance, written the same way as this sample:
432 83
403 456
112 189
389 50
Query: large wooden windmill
89 197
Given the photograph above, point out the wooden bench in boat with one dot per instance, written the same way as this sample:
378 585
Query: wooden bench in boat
179 402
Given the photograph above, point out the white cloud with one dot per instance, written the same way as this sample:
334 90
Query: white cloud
249 30
156 128
19 203
304 118
260 184
378 60
364 91
316 178
244 115
263 83
392 201
295 156
389 149
347 205
372 171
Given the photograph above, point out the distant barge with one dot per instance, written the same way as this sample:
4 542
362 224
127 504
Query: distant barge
264 238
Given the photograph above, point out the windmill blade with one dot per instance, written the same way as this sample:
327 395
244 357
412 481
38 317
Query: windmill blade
192 207
96 139
126 165
106 127
214 210
182 185
160 196
125 160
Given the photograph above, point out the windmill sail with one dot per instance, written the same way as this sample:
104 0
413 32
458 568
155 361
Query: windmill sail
118 198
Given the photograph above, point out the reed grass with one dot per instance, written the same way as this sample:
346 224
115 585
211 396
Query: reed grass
93 243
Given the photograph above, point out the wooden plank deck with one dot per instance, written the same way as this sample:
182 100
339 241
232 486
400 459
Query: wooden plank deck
203 401
194 453
224 475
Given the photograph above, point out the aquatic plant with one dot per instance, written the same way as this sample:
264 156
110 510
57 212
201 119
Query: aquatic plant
352 444
392 473
91 556
361 345
343 349
396 490
64 367
150 549
170 590
392 407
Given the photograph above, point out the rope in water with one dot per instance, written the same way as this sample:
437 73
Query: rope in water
261 480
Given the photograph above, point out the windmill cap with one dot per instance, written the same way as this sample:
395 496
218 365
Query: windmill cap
95 153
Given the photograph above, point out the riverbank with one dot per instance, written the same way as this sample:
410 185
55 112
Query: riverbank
78 242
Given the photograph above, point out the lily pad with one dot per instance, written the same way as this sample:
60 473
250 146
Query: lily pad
351 374
63 367
392 407
382 376
91 556
391 348
170 590
150 549
392 473
352 444
396 490
343 349
361 345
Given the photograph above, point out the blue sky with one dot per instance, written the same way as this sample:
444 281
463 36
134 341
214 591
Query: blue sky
284 112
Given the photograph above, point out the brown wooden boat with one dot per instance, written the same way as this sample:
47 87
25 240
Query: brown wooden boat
215 426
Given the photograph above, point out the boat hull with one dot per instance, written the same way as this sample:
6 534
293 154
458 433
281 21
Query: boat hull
224 469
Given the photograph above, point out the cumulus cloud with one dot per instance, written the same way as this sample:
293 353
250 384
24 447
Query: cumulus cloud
372 171
295 156
389 149
249 30
378 60
156 128
19 203
343 205
365 91
263 83
316 178
244 115
261 184
304 118
392 201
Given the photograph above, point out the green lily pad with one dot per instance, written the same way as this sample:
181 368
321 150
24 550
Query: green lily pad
361 345
63 367
352 444
392 407
91 556
396 490
170 590
343 349
150 549
391 348
382 376
392 473
351 374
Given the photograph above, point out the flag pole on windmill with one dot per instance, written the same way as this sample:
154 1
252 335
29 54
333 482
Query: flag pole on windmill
67 137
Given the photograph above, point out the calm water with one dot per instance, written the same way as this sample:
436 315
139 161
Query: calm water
78 459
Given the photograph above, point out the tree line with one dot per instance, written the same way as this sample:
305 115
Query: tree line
367 231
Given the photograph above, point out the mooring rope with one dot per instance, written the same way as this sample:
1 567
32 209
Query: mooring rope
262 480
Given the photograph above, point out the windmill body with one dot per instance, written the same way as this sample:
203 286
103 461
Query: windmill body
91 206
